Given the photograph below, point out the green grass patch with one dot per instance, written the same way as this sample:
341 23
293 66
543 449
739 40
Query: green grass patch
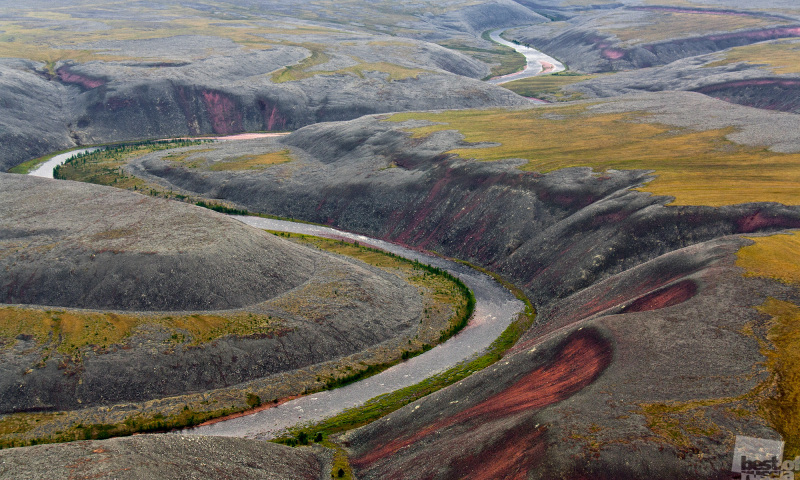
252 162
104 166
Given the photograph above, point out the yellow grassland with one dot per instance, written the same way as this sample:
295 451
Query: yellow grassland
781 58
778 257
71 331
695 167
782 409
252 162
668 25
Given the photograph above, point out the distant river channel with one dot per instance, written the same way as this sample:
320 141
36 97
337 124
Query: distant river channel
495 309
538 63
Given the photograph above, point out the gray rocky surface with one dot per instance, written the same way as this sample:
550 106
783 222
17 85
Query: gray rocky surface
101 247
67 244
198 84
146 457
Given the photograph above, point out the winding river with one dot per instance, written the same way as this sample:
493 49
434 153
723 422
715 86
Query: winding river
495 309
45 170
538 63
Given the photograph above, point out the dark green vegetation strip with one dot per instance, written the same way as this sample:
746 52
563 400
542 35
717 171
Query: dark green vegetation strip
385 404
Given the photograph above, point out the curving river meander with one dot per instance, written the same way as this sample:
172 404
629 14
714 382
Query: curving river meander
495 309
538 63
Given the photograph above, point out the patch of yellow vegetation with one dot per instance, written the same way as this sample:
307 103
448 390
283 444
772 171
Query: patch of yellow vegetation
319 57
549 86
252 162
30 38
396 72
781 58
299 71
23 422
669 25
783 409
71 331
776 256
695 167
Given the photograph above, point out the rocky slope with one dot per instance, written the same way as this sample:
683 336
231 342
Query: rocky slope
107 248
585 394
177 278
259 74
591 42
165 456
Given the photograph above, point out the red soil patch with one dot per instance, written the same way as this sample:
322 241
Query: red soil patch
759 35
510 458
222 112
666 297
613 53
424 211
576 364
86 82
758 221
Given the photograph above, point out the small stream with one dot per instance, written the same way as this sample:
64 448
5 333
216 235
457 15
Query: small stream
538 63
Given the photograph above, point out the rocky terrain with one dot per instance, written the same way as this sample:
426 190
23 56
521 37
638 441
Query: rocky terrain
257 69
607 267
651 225
179 287
166 456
